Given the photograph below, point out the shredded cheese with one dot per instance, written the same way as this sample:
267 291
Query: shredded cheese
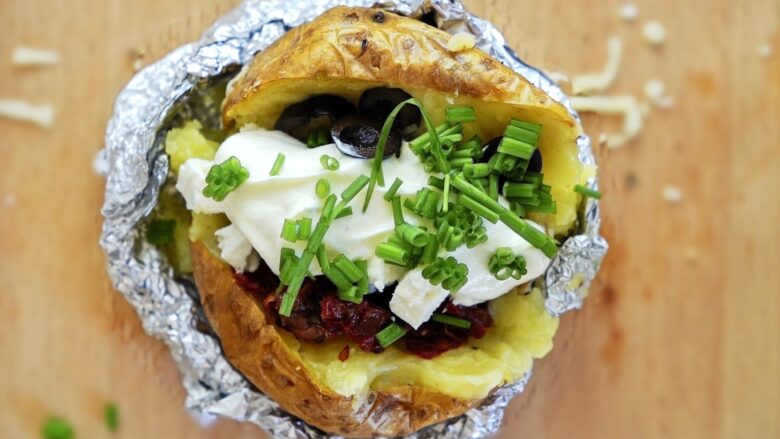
654 32
28 56
41 115
764 50
655 91
672 194
625 106
558 77
600 82
100 164
629 12
461 41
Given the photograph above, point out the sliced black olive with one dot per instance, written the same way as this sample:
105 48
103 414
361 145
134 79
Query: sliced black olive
429 18
490 149
321 111
535 165
377 103
358 136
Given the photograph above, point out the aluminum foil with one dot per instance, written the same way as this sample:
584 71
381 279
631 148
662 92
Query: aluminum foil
173 89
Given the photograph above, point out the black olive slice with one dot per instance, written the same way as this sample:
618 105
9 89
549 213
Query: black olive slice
377 103
358 136
535 164
321 111
490 149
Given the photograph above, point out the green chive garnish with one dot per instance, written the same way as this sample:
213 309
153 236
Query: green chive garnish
339 279
436 182
414 235
398 214
393 189
57 428
493 186
352 294
461 114
377 176
452 321
588 192
224 178
329 163
430 251
448 272
393 253
472 205
289 231
350 270
111 417
363 282
304 229
529 233
159 232
445 201
353 189
391 334
344 212
277 165
519 190
505 264
322 189
476 170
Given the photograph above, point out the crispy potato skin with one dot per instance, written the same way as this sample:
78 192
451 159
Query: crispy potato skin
369 45
253 345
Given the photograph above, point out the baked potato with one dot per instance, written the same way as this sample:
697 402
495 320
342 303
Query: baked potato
345 52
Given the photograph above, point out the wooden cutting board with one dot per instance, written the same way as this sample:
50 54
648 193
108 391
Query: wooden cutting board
679 336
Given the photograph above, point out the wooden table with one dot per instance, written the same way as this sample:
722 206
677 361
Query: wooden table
679 336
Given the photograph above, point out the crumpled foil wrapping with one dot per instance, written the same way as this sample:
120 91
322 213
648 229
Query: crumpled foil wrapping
170 90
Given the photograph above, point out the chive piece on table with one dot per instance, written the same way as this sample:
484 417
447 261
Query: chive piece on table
57 428
111 416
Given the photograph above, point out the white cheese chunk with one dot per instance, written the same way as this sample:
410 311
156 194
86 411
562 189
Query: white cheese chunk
28 56
41 115
654 32
415 299
192 180
236 250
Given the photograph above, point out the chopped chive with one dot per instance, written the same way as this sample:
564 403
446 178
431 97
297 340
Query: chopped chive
343 212
159 232
111 416
329 163
57 428
277 165
391 334
339 279
519 190
322 189
377 176
296 279
548 208
322 258
461 162
536 128
353 189
516 148
493 186
289 231
393 189
522 134
430 251
445 202
304 229
398 214
413 235
461 114
527 232
285 254
476 170
436 182
352 294
452 321
224 178
391 253
363 282
348 267
472 205
588 192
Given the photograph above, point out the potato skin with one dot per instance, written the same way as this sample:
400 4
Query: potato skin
351 45
253 345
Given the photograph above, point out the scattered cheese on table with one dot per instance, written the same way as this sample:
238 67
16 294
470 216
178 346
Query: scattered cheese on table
629 12
461 41
100 164
625 106
28 56
655 91
558 77
764 50
41 115
672 194
654 32
600 82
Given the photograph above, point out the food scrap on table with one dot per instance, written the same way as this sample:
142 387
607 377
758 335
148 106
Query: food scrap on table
42 115
672 194
628 12
625 106
655 92
27 57
654 32
764 50
600 82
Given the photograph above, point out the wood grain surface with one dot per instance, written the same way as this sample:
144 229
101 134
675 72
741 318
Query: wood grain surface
679 336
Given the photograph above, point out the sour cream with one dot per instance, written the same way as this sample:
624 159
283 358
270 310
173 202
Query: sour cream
259 206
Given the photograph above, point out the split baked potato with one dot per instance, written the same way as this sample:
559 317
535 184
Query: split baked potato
345 52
